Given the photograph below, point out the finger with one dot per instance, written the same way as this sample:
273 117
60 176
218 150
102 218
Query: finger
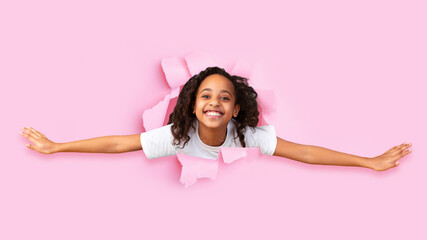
35 132
29 137
27 133
404 147
42 135
32 147
399 148
396 163
394 149
406 152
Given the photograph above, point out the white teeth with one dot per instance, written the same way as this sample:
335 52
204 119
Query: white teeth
213 114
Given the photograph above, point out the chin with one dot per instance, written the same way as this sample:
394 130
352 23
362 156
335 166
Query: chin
210 123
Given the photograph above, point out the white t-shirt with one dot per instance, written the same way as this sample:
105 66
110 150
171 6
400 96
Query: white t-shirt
158 142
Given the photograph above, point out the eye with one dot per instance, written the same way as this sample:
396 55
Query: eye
205 96
225 98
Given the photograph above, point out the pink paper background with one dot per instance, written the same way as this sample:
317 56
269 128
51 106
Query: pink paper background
350 76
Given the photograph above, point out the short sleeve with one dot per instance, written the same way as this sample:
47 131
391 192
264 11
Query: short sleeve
263 137
158 142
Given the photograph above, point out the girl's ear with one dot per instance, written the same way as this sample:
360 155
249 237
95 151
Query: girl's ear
236 110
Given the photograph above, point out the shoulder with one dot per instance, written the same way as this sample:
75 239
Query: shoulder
161 133
160 129
158 142
263 137
253 131
260 130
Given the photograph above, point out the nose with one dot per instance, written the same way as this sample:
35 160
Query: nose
214 102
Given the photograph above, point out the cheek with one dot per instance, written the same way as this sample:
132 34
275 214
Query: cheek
230 109
198 107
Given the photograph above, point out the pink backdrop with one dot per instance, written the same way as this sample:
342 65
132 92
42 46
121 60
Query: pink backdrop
349 77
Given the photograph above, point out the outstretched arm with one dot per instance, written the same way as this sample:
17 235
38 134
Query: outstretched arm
106 144
323 156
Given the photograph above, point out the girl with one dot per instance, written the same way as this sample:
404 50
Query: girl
215 109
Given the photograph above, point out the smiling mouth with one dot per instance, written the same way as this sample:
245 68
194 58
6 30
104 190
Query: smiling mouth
213 114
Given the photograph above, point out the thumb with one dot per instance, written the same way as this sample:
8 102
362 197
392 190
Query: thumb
30 146
396 163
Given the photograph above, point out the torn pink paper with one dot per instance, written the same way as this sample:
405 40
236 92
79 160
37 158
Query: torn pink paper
156 116
194 168
197 62
177 72
266 98
231 154
267 105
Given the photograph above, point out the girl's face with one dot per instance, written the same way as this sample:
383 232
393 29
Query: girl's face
215 102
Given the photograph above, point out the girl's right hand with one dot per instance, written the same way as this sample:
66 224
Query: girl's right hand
40 142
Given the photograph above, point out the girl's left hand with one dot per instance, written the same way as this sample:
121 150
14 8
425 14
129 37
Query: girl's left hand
390 158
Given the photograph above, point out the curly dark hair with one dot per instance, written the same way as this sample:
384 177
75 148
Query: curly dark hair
182 117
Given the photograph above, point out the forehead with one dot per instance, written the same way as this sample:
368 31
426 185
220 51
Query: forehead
217 82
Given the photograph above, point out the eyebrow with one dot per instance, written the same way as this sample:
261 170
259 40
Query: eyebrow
208 89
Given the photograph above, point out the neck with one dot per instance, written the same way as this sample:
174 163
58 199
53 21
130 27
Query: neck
212 137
